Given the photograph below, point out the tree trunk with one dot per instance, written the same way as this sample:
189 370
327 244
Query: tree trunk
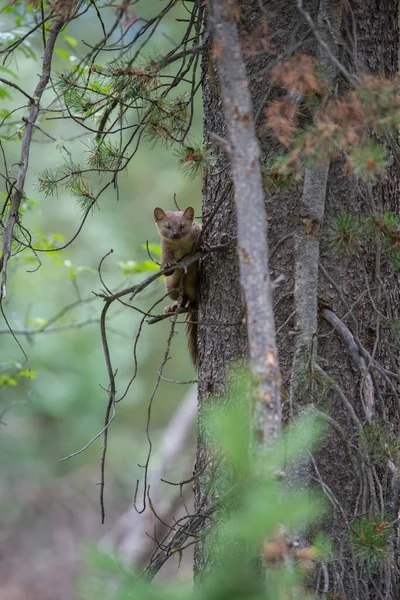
354 369
222 330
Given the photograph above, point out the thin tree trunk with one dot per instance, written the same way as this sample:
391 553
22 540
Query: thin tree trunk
252 247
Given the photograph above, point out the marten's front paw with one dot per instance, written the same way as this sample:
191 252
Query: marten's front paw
171 308
204 246
169 263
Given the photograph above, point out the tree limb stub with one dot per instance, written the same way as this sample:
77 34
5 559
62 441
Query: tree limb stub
310 221
348 340
251 219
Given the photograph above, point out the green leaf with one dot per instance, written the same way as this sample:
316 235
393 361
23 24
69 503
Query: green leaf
6 381
37 323
131 267
28 204
73 270
8 72
50 241
154 249
147 265
62 53
4 93
28 374
11 372
71 40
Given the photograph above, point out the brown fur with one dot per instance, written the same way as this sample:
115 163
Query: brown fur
179 234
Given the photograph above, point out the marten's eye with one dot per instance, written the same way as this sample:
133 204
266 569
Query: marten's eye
168 226
182 225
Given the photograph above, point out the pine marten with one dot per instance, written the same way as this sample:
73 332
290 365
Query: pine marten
179 235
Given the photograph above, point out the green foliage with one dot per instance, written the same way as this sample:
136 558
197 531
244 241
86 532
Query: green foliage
132 267
37 323
4 93
71 40
350 234
27 205
192 159
154 249
278 175
132 82
47 182
11 372
82 193
63 53
379 98
323 547
381 443
103 154
8 72
387 226
249 518
77 100
342 126
65 405
13 34
50 241
4 114
168 119
73 270
110 579
8 38
346 233
370 537
71 176
368 160
310 384
137 89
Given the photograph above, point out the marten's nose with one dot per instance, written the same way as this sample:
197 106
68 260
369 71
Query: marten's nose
176 235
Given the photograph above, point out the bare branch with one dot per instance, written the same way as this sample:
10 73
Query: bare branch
348 76
24 158
17 87
348 339
128 534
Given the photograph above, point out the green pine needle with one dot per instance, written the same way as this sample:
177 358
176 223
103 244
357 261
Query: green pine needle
346 234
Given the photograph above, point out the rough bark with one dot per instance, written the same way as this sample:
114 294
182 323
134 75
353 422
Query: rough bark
372 488
221 325
356 365
236 134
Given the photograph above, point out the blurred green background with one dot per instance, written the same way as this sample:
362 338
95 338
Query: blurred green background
63 407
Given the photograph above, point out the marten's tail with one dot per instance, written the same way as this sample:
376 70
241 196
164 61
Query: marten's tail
191 332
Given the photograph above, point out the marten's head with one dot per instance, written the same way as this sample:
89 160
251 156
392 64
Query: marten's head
174 225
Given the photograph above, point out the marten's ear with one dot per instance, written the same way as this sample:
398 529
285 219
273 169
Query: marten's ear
159 214
189 213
